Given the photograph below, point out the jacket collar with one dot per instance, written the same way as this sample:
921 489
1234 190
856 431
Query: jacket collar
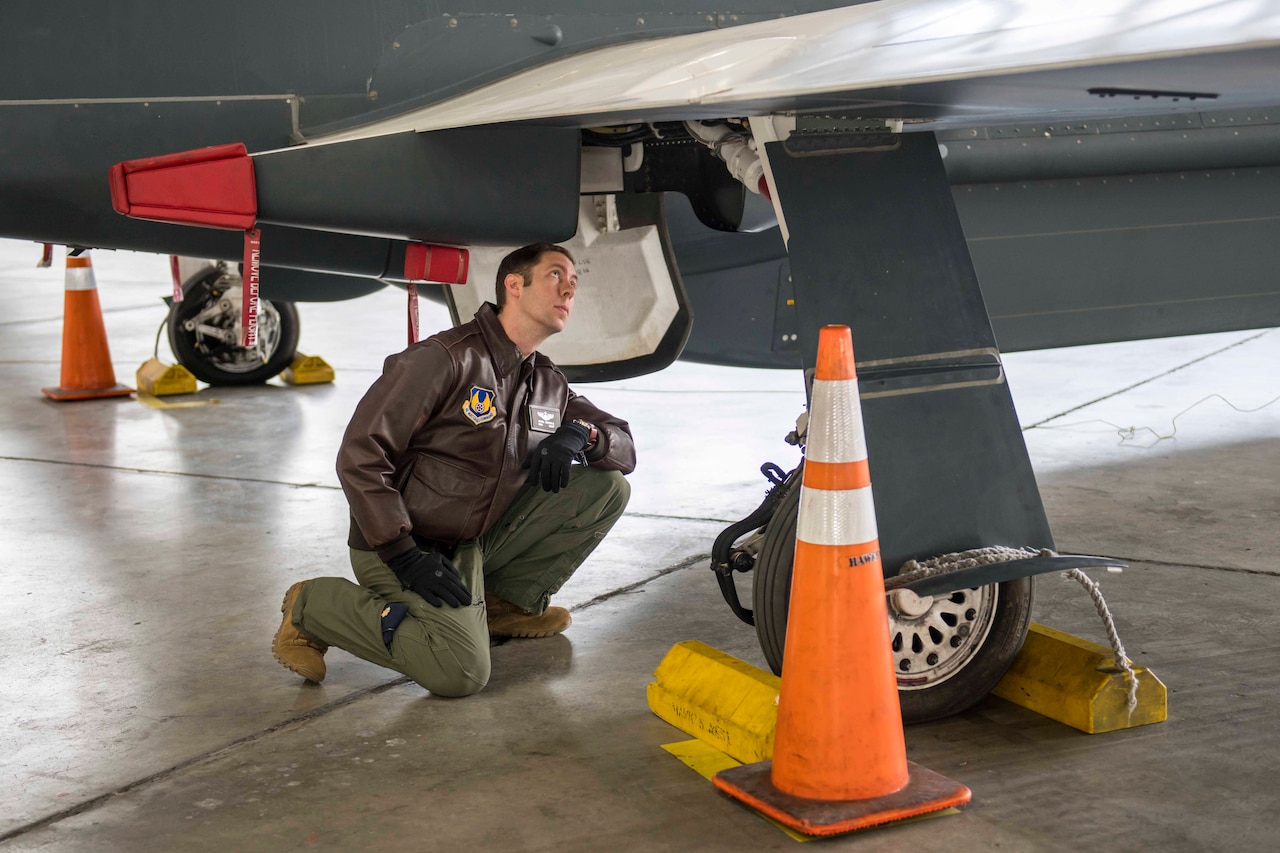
505 354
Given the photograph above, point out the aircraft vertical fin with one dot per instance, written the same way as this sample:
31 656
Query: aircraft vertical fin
875 243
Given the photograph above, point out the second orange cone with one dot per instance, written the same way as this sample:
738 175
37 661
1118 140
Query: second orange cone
87 373
839 760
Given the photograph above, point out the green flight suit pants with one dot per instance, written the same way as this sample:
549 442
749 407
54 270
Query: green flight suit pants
525 558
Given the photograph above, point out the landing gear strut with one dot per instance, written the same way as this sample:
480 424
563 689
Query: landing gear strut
204 331
875 243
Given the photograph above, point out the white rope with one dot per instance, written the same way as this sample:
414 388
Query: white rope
1117 647
914 570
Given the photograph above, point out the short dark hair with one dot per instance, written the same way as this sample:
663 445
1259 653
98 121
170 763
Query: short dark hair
521 262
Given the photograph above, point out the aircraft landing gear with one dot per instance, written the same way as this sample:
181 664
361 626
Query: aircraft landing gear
204 331
949 651
875 243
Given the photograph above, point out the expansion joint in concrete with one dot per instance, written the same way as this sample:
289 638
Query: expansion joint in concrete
203 757
324 710
1146 381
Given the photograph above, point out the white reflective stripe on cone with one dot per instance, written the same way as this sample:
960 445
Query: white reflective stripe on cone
80 278
838 437
844 517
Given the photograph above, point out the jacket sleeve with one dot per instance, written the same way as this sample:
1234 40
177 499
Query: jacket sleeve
615 450
392 411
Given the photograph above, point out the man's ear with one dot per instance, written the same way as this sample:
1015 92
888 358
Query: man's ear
513 284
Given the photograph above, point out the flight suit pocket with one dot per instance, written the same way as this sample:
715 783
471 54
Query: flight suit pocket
441 498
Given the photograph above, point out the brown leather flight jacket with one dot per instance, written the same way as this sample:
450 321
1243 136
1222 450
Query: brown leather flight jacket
435 450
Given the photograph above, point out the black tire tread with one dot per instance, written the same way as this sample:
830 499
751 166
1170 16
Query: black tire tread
195 291
771 590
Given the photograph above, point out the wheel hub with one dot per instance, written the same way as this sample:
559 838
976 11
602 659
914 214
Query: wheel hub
217 330
909 604
934 637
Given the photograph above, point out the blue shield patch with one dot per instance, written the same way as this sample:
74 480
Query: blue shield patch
478 406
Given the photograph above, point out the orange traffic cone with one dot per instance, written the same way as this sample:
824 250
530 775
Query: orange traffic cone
86 360
839 758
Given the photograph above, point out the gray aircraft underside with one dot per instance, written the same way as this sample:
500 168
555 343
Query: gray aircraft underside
1114 165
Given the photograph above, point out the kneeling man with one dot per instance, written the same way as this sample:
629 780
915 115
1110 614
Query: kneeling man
467 512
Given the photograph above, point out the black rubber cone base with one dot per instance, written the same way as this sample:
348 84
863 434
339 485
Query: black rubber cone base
924 792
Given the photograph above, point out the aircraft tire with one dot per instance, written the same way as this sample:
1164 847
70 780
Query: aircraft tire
211 302
995 619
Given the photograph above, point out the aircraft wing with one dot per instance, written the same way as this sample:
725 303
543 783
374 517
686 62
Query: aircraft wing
940 62
414 166
925 64
493 127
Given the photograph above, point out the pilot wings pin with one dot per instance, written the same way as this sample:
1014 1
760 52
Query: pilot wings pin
543 419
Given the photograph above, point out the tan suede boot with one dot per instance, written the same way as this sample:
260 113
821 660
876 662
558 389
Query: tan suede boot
507 620
294 649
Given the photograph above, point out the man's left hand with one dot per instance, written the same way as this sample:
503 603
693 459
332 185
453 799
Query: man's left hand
550 461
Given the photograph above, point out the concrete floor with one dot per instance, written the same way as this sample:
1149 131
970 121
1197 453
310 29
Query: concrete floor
147 550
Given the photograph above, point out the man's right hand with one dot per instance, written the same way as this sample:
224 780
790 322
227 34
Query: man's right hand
432 576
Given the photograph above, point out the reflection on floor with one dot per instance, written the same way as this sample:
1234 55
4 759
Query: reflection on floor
147 549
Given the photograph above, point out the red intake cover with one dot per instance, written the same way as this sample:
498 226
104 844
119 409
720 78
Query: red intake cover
440 264
207 186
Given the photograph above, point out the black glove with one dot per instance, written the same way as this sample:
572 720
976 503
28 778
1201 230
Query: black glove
550 461
432 576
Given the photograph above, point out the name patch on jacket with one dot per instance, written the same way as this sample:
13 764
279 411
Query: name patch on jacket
478 406
543 419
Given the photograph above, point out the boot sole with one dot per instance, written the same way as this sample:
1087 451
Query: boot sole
526 635
305 672
529 634
297 670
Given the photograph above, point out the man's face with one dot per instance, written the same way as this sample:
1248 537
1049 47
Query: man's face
548 298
